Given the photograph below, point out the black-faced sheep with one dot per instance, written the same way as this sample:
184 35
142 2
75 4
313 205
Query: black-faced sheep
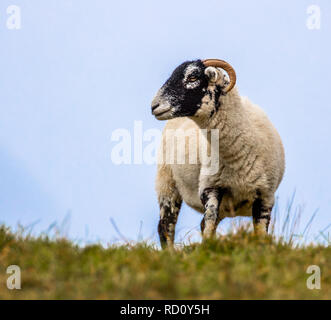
249 152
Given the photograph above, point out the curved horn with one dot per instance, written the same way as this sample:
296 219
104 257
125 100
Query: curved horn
225 66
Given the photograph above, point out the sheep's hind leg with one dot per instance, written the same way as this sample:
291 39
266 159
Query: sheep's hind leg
211 199
261 215
169 210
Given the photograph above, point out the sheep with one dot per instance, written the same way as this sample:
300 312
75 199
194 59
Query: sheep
250 153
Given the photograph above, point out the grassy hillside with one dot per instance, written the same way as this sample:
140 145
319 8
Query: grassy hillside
237 266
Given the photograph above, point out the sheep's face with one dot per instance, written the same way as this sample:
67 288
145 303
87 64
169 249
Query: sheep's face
183 93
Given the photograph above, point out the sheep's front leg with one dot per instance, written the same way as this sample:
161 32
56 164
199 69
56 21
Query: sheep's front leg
261 215
169 210
211 199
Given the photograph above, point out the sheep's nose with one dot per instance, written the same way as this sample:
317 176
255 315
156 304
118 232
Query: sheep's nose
154 106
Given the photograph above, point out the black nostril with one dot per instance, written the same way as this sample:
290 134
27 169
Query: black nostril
155 106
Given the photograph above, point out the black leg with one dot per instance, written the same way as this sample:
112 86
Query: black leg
261 215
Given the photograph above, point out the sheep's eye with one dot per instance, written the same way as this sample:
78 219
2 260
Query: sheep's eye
192 79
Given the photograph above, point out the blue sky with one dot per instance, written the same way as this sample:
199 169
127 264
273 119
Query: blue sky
78 70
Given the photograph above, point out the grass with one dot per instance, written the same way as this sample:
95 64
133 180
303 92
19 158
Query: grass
234 266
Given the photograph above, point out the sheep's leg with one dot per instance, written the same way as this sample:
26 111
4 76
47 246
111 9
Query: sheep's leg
261 215
170 202
203 224
169 210
211 199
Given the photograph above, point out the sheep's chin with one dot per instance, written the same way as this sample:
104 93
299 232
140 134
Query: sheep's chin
165 116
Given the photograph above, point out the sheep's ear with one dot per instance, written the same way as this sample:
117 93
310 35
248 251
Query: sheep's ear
211 73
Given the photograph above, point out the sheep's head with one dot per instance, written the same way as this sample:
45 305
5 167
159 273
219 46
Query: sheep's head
183 93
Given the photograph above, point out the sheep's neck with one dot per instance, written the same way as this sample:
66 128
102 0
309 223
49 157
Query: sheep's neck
232 123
